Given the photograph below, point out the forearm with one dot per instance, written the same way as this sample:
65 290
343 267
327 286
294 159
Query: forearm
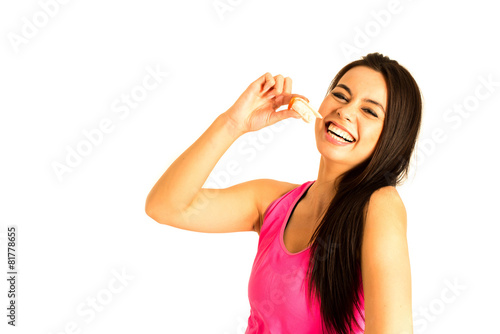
179 185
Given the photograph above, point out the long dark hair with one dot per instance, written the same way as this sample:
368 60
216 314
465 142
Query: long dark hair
334 274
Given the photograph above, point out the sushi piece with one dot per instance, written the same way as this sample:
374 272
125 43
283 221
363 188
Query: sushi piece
303 108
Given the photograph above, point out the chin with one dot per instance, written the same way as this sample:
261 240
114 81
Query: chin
332 153
338 154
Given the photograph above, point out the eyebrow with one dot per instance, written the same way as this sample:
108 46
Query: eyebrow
366 100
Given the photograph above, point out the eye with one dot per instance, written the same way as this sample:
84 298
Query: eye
371 112
340 96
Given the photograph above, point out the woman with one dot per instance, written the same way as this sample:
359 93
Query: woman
332 254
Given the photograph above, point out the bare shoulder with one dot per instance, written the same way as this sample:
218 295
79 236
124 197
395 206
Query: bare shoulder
386 203
266 191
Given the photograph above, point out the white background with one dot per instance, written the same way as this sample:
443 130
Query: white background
76 232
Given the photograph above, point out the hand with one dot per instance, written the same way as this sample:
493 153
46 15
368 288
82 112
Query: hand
256 107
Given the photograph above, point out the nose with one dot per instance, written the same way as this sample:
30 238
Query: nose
345 113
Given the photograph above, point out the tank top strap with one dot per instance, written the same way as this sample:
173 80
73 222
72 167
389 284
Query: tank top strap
279 209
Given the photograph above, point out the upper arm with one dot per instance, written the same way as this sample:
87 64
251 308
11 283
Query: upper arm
234 209
385 265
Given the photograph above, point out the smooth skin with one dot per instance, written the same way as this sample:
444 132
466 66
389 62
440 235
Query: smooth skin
178 199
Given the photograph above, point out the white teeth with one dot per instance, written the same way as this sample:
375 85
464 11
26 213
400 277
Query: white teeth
337 137
340 132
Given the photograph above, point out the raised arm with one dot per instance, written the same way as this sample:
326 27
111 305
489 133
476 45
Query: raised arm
178 199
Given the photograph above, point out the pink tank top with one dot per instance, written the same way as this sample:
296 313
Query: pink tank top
277 288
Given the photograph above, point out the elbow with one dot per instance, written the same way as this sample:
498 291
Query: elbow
149 206
159 216
161 212
149 209
153 215
149 212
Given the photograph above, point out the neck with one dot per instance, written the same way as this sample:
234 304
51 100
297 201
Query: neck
322 191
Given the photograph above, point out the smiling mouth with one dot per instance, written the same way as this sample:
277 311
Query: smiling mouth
339 134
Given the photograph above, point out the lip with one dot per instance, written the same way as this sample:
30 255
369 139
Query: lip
341 127
334 140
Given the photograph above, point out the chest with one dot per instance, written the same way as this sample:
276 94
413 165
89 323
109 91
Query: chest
298 232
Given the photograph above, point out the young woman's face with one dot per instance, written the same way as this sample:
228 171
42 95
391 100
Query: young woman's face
358 104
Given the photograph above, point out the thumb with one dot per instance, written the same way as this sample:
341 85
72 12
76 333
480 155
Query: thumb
283 114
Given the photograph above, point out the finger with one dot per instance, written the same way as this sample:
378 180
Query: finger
269 82
278 87
287 86
283 114
260 80
291 113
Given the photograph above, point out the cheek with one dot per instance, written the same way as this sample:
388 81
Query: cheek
318 125
326 106
370 135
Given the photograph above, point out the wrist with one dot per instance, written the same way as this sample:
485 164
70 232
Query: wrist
231 126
